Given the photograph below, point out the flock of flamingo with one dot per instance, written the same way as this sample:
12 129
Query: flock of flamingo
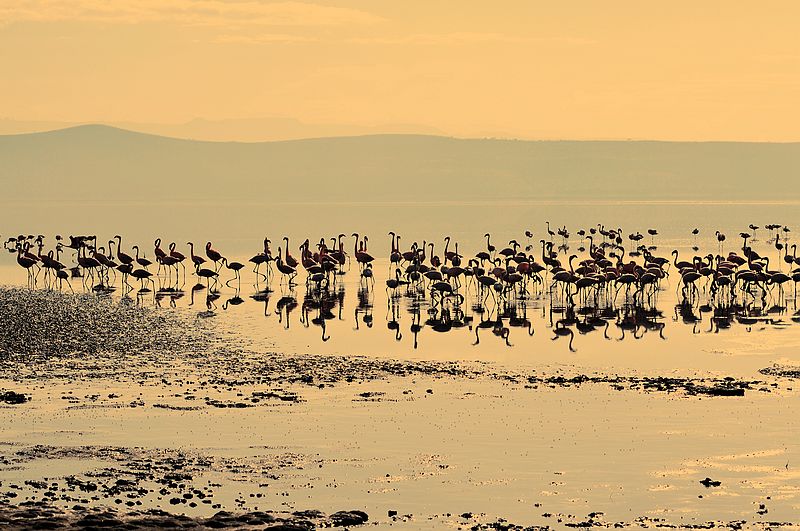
583 288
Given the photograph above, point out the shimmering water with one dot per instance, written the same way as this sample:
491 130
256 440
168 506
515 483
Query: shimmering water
536 324
238 228
489 446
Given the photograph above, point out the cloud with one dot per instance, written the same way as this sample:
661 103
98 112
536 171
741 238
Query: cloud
459 38
222 13
262 38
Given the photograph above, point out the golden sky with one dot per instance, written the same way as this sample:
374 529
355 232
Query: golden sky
683 70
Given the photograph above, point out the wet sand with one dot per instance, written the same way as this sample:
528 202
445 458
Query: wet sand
138 415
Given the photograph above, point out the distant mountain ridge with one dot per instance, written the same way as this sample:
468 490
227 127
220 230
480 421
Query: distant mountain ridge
238 130
98 162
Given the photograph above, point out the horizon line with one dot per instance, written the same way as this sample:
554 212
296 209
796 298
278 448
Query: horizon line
404 134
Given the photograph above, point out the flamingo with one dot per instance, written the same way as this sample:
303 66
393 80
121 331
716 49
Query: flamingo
178 256
214 256
141 260
169 261
143 275
196 260
122 257
236 267
289 259
88 263
396 282
26 263
285 269
62 275
207 274
550 232
362 257
721 240
159 253
261 258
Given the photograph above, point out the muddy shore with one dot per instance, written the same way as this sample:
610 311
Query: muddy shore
75 356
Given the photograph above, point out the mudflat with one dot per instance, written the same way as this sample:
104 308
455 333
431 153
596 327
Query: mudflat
144 416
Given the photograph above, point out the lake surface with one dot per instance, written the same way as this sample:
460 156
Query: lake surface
238 228
361 316
425 445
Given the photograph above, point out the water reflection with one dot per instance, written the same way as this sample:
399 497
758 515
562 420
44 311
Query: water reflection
605 285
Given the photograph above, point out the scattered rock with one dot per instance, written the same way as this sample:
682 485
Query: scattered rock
784 371
10 397
40 515
345 518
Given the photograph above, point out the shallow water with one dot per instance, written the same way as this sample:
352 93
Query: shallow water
490 448
238 228
503 448
355 316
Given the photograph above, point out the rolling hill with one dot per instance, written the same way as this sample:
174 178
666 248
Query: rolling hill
99 162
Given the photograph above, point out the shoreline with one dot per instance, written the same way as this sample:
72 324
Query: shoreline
291 415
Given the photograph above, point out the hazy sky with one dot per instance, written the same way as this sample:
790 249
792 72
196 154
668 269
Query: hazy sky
568 69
